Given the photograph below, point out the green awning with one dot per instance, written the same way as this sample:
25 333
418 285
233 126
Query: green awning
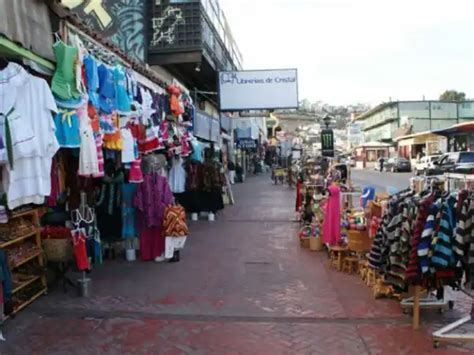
13 50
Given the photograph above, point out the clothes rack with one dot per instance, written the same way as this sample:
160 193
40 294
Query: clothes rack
444 334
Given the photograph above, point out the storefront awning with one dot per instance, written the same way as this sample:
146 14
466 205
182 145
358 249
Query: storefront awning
467 127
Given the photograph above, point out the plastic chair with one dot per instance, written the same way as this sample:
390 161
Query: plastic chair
368 194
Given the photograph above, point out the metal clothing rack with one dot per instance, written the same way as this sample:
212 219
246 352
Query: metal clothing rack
444 334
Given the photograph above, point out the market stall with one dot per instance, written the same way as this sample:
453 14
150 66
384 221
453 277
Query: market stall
98 160
413 245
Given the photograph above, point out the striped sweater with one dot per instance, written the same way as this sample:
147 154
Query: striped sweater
413 273
426 238
443 253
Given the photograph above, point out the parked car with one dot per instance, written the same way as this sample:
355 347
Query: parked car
425 163
397 165
458 162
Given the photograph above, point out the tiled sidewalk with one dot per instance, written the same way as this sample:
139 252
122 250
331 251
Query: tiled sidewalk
243 286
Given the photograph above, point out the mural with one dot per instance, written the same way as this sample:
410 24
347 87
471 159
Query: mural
123 21
164 27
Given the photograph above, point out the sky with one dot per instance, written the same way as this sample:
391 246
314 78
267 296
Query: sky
369 51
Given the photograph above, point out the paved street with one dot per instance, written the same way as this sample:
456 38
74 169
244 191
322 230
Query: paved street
381 181
244 286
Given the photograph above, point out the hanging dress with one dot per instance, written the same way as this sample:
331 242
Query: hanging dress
64 78
109 208
332 218
151 199
88 160
129 229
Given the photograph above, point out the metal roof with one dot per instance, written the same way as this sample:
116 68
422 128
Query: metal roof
466 127
27 23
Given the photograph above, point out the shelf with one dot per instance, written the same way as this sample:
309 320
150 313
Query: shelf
14 241
30 301
26 260
25 284
22 214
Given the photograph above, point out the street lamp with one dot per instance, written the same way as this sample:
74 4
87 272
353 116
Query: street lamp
327 120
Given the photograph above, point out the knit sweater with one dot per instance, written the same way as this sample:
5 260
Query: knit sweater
426 238
413 273
443 254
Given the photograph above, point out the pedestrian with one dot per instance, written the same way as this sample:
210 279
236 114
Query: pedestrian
381 161
324 166
231 168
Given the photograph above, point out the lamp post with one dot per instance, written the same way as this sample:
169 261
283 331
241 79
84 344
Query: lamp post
327 120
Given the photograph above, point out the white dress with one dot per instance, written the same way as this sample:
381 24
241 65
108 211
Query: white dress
88 161
177 177
128 151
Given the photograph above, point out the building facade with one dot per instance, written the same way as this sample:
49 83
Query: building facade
192 39
390 120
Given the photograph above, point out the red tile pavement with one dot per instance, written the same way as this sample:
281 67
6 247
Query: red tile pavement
243 286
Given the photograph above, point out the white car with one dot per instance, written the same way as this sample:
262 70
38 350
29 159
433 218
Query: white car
425 163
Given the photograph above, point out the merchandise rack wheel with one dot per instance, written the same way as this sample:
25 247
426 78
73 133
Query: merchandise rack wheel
441 310
436 344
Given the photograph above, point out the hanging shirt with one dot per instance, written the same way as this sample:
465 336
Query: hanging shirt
30 180
92 79
64 79
121 95
106 89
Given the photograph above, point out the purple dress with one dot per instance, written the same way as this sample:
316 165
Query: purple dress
151 199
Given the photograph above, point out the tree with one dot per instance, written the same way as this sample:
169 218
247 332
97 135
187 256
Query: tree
305 105
452 95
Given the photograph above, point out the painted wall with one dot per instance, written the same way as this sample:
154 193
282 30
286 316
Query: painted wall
122 21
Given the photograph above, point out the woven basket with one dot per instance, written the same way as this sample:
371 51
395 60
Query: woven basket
304 242
58 250
316 244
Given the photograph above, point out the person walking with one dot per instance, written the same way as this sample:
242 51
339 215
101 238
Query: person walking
231 168
381 161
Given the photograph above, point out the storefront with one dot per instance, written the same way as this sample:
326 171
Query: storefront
460 137
368 154
421 144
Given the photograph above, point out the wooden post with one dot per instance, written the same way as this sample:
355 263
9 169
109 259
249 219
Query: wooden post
416 308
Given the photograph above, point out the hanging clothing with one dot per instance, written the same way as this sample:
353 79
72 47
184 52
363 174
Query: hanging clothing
64 78
174 224
92 79
100 155
79 239
107 94
68 131
123 101
135 175
332 219
109 207
129 229
128 151
114 141
152 241
197 151
30 180
88 160
152 197
177 177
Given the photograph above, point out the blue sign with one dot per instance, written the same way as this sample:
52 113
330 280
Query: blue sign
247 143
